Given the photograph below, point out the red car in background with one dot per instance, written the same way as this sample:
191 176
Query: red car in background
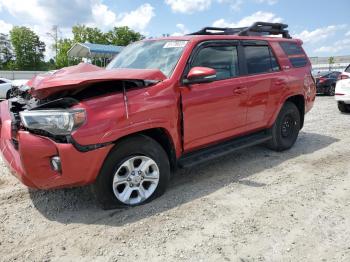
160 104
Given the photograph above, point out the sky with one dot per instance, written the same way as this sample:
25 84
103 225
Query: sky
324 26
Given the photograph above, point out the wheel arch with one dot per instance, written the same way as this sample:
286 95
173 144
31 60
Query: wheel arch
162 137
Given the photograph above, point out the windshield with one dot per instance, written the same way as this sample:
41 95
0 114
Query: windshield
160 54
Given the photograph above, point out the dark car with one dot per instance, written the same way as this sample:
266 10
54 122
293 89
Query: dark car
325 82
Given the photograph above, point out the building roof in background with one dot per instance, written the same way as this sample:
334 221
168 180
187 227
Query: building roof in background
89 50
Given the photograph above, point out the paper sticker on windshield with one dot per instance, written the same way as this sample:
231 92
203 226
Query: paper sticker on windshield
175 44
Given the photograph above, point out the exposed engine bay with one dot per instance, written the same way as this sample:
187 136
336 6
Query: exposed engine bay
21 100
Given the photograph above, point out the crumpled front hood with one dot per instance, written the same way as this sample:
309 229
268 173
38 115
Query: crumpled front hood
78 76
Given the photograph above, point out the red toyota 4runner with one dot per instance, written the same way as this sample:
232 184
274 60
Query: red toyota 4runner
160 104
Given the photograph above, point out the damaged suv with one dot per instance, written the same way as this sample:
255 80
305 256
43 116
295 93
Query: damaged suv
159 105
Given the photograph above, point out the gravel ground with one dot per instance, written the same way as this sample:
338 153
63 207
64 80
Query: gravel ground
253 205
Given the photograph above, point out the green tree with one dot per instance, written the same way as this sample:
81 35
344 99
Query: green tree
330 62
63 46
6 52
83 34
28 49
123 36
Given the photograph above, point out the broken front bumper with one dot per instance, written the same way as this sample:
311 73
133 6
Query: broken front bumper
29 158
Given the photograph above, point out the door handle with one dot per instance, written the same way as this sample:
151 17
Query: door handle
240 90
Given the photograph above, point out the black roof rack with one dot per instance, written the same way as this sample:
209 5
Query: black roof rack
257 29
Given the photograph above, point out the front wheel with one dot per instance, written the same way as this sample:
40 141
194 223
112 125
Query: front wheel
286 128
136 171
8 94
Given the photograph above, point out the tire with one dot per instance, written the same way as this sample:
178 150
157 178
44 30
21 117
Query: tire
331 91
8 94
344 108
129 156
286 128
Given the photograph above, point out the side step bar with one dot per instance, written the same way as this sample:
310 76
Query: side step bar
206 154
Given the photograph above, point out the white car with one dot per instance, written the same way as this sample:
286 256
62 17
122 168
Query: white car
345 74
342 95
6 85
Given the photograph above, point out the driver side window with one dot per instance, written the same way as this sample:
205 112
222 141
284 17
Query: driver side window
224 59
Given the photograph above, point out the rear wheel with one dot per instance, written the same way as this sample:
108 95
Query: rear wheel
344 108
286 128
331 91
136 171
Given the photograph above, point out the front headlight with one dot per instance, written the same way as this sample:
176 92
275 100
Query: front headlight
55 122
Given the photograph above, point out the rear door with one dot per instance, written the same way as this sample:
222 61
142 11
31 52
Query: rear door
217 110
262 76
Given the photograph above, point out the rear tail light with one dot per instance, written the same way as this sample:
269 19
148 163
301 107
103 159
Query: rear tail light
321 80
342 76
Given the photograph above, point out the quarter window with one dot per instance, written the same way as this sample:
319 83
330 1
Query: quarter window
298 61
260 60
291 48
295 54
224 59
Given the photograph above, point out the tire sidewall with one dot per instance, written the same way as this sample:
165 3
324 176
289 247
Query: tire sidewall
133 146
280 142
331 90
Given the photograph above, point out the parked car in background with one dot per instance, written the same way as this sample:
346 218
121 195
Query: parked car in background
160 104
325 82
6 86
345 74
342 95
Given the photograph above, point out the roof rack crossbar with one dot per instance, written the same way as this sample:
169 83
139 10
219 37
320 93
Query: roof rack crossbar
257 29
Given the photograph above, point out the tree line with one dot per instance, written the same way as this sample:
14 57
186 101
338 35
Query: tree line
22 48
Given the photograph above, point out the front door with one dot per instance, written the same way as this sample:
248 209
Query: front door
214 111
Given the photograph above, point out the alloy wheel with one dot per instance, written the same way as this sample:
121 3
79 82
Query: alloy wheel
136 180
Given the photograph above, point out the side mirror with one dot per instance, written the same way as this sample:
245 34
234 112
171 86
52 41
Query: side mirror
200 75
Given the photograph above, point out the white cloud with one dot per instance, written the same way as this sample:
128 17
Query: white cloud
5 27
183 30
40 15
269 2
137 19
318 34
347 33
234 4
103 15
188 6
39 11
249 20
341 45
66 13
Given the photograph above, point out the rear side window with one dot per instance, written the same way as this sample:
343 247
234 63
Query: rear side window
260 59
347 69
1 82
224 59
298 61
295 54
291 48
